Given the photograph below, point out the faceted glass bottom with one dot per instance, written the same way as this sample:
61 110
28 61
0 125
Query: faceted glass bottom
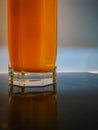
28 83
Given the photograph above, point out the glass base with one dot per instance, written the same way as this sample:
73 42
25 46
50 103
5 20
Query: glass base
23 82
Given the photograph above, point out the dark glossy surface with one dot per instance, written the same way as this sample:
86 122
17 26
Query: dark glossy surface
75 106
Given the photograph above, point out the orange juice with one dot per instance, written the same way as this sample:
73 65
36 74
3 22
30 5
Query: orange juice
32 35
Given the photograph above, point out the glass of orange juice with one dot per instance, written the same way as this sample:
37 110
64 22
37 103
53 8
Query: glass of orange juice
32 42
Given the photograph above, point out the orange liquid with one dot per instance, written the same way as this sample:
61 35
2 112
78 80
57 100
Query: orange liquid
32 34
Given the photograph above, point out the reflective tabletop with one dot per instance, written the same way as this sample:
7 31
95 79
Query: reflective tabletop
72 105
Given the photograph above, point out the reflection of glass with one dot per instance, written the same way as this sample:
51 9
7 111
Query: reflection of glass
32 34
15 90
38 112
